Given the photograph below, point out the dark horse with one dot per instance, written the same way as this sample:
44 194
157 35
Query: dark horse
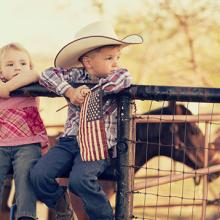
183 142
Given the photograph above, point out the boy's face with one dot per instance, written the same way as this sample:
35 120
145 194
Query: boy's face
104 61
13 62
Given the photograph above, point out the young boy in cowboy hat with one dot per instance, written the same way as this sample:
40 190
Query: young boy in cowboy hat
91 58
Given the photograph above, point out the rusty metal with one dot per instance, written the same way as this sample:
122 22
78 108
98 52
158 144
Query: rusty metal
205 177
123 197
176 118
177 177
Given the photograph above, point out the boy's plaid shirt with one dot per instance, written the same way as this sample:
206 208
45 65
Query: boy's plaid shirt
59 80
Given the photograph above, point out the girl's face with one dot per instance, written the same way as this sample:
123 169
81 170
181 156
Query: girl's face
104 62
13 62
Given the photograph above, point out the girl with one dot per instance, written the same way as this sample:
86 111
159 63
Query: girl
21 129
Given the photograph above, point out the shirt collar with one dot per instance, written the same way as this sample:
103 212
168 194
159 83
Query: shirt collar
88 76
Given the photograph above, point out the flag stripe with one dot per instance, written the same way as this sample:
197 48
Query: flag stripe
96 141
82 132
91 140
99 137
81 135
85 125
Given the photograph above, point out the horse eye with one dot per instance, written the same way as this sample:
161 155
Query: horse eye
194 129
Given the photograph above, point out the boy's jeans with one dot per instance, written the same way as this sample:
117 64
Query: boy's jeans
64 160
21 158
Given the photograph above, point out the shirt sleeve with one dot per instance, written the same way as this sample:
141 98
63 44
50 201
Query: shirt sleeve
58 80
116 82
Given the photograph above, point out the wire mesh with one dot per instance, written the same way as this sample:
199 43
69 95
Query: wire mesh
177 161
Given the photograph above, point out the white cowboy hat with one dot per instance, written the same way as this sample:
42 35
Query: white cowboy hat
92 36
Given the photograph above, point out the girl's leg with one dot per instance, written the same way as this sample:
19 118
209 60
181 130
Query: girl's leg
25 157
5 165
83 181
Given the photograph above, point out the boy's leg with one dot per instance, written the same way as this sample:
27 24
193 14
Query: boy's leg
83 181
56 163
63 208
24 159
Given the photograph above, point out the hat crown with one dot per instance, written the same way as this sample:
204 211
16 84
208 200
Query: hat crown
97 29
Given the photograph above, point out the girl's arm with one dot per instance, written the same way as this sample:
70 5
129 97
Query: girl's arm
22 79
18 81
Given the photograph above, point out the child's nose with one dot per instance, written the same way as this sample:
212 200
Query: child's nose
115 63
17 66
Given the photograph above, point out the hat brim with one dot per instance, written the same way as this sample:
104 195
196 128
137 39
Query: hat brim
69 55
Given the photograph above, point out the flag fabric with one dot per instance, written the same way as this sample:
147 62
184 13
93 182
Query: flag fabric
92 135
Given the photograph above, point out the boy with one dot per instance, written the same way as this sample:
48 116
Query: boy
97 50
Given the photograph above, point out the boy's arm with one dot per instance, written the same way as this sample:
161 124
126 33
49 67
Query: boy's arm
116 82
58 80
18 81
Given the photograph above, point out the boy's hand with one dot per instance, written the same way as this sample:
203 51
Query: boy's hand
4 90
77 95
84 90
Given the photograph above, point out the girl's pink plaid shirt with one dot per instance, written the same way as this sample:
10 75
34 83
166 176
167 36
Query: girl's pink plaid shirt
20 122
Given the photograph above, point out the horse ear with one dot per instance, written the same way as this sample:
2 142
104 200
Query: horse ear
172 106
179 109
182 110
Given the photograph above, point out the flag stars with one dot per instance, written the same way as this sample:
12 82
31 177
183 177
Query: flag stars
94 107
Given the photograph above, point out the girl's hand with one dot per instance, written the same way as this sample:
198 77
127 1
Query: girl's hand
4 90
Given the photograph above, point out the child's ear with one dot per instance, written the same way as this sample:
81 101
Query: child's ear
86 62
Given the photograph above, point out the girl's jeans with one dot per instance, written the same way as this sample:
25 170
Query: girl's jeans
21 158
64 160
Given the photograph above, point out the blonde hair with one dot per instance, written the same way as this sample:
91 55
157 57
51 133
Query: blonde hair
14 46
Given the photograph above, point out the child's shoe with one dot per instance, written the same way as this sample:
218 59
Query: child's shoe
63 208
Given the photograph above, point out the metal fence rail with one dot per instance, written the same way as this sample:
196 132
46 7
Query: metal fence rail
142 92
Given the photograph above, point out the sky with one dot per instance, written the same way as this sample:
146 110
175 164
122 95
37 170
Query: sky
46 26
38 24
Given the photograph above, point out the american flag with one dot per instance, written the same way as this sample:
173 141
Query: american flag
92 136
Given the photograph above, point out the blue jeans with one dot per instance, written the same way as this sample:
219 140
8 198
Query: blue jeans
64 160
21 158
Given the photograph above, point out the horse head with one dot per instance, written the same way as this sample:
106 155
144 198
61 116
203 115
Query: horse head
194 144
182 141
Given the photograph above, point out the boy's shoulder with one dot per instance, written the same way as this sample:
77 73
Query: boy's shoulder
72 72
61 69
